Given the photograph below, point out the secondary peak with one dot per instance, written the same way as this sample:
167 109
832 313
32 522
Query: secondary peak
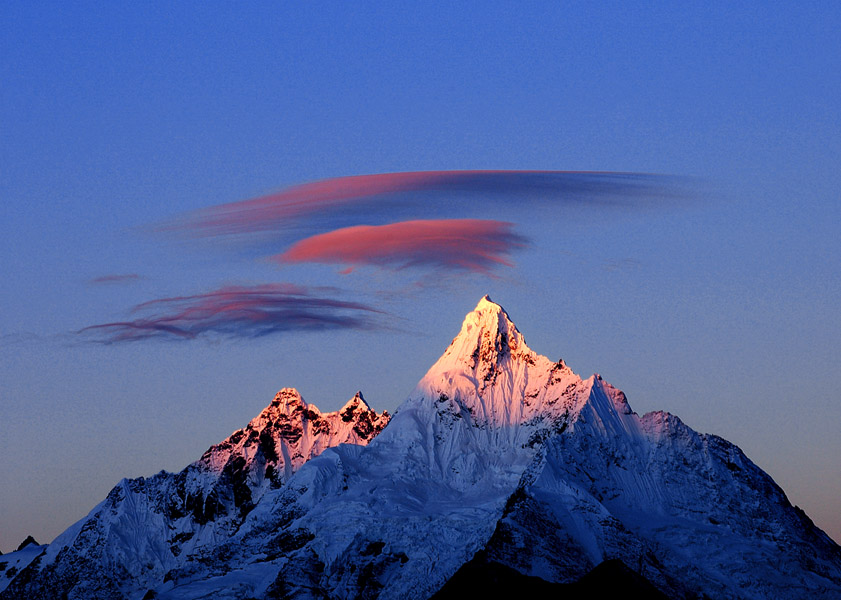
358 399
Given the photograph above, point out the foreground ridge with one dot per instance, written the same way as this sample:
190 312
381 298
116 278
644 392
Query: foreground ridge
500 463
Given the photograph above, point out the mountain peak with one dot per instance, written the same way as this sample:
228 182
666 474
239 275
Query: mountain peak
487 308
29 541
287 400
486 300
487 337
290 431
490 372
358 399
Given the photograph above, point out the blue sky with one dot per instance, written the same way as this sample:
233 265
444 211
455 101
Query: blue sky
720 306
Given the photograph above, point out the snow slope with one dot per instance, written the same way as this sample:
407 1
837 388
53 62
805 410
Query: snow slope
13 562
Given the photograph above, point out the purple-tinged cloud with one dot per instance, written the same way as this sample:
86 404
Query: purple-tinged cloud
381 198
237 311
452 244
115 278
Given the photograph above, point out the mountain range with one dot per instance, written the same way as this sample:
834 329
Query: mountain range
502 470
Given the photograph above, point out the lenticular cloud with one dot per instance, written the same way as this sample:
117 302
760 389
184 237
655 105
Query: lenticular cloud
454 244
386 197
236 311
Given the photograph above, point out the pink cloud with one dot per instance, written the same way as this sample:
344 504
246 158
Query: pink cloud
344 201
456 244
265 212
236 311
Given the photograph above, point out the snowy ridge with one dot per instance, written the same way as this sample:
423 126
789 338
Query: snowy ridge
147 527
688 511
497 450
288 432
13 562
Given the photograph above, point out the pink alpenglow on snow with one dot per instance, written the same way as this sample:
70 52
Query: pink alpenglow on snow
413 194
237 311
455 244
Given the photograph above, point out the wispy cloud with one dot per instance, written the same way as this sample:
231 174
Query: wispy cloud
237 311
454 244
621 264
386 197
115 278
19 337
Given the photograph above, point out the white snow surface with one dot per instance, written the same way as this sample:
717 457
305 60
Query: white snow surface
497 449
12 563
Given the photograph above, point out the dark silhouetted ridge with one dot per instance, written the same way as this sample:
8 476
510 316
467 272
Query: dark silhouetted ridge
29 541
480 577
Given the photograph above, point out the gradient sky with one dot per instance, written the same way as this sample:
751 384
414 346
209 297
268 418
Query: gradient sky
719 303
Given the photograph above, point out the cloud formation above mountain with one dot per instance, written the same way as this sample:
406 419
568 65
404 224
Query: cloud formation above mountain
236 311
454 244
387 197
427 220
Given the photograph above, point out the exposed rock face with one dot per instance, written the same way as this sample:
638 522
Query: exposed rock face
285 435
500 458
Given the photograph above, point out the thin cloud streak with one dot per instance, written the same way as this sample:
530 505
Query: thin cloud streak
355 200
472 245
115 278
236 311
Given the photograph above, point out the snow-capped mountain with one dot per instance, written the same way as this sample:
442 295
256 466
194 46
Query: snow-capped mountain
499 458
147 527
12 563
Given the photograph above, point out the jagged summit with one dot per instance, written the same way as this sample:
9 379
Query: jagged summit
357 400
486 299
488 336
289 404
290 431
490 372
285 399
29 541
